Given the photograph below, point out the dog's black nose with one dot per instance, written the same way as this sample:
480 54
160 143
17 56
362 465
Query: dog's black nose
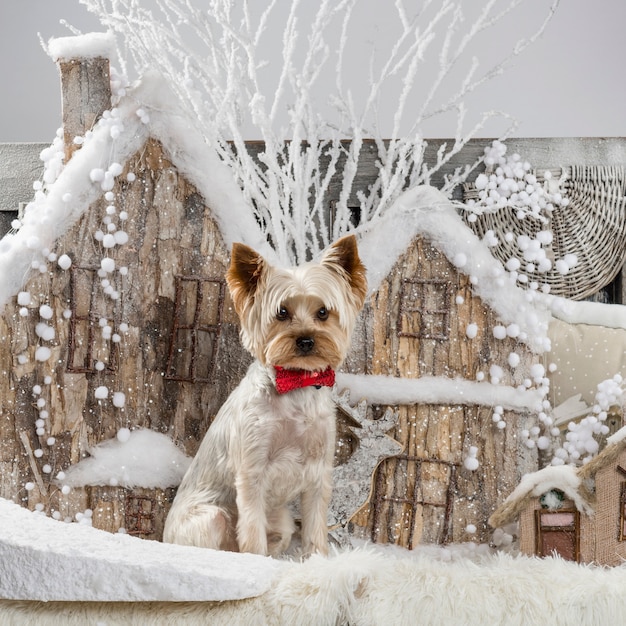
305 344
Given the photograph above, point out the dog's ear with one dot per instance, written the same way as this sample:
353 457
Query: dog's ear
344 255
244 274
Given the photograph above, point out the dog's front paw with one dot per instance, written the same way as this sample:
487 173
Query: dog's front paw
252 541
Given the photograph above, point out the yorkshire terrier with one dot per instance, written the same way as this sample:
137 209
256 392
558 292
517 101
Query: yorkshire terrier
274 438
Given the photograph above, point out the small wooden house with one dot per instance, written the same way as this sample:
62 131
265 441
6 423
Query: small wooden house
579 514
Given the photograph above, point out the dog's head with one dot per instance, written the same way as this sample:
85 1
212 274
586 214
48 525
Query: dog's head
298 318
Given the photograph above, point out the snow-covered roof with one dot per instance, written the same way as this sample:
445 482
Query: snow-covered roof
114 139
565 478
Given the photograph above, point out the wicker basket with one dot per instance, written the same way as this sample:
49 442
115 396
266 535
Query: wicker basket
592 226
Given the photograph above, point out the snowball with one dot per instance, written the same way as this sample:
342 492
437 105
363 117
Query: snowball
44 331
495 371
42 353
459 299
543 443
121 237
481 181
101 392
471 331
115 169
119 400
64 262
459 260
537 370
499 332
23 298
471 463
107 264
123 435
45 312
513 330
514 359
513 264
562 267
571 260
470 528
96 175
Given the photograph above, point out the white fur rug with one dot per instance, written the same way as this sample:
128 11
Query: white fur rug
368 586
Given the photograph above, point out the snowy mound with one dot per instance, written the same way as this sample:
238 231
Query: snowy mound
129 461
49 560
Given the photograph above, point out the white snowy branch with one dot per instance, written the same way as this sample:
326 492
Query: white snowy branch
236 84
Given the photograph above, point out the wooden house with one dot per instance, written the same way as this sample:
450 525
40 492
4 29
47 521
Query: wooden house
159 329
418 319
147 316
579 514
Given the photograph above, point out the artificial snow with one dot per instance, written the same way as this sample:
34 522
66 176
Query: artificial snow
47 560
562 477
128 460
89 46
437 390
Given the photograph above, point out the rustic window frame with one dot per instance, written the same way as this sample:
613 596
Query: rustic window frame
135 515
413 503
194 328
91 320
411 305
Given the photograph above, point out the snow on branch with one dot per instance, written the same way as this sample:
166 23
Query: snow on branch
290 73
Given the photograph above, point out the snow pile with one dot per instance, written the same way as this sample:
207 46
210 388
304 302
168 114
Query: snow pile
49 560
138 458
89 46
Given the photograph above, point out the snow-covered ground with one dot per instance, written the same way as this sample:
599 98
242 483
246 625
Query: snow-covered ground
43 559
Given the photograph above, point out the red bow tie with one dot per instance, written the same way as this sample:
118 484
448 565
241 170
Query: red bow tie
288 380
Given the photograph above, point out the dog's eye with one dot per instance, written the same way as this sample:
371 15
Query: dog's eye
322 314
282 314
